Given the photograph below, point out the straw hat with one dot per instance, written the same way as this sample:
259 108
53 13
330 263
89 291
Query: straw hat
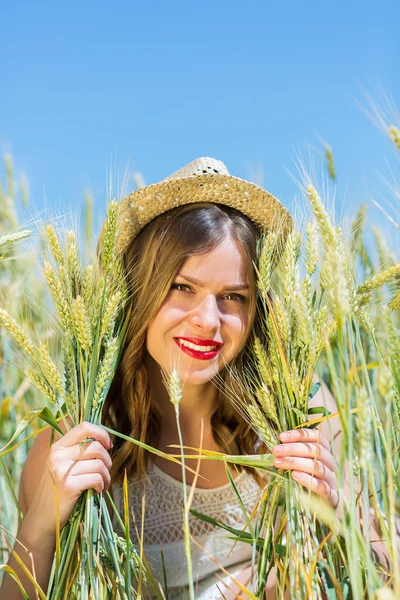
202 180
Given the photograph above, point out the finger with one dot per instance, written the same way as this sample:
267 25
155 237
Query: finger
305 435
83 467
83 431
89 466
308 465
306 450
80 483
89 451
319 487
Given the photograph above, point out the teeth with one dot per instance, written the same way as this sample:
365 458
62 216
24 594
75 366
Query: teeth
195 347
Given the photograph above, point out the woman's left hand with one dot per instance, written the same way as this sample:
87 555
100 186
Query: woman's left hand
307 453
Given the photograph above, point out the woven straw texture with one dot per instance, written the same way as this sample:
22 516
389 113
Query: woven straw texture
202 180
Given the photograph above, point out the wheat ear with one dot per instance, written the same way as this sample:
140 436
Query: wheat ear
17 333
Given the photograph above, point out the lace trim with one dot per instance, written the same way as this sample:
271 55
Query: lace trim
163 475
164 503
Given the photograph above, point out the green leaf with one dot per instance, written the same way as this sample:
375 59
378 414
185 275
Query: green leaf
41 413
238 534
314 390
243 509
278 548
300 414
316 410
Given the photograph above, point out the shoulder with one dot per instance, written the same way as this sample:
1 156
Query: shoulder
35 463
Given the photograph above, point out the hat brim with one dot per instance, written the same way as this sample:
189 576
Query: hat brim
144 204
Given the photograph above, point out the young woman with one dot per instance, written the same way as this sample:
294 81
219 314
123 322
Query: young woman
188 245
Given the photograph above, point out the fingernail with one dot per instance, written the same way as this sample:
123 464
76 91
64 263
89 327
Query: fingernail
278 461
284 436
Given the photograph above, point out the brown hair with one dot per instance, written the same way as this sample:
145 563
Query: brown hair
151 262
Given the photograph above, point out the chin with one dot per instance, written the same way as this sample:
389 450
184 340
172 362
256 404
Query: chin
198 377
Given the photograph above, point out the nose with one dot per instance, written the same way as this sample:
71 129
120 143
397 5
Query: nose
206 315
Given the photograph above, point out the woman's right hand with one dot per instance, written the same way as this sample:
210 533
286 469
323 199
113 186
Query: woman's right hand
71 468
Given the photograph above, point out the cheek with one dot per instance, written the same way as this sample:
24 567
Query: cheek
238 326
166 318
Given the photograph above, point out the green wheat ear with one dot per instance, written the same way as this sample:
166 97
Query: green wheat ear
268 247
105 372
82 323
59 299
14 237
394 133
258 420
109 240
378 279
330 162
54 245
174 388
328 232
312 247
16 332
110 315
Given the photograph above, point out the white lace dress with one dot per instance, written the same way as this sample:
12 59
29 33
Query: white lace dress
163 529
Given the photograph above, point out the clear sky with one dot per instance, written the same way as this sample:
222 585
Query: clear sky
91 85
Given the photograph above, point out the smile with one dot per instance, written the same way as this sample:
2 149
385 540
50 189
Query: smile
199 350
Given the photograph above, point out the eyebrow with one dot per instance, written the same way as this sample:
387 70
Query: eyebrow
232 287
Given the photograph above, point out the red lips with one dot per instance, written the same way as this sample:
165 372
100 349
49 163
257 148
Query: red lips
201 341
199 354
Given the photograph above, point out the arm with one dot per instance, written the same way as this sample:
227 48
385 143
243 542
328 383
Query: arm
71 470
29 531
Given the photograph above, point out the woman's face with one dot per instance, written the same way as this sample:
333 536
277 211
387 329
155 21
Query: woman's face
204 321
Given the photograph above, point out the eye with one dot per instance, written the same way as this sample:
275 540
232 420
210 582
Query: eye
236 297
178 286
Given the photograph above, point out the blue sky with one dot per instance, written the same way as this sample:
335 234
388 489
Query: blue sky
87 86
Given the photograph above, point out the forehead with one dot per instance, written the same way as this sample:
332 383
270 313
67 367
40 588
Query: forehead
225 264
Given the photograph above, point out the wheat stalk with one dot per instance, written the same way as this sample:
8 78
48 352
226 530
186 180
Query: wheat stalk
82 324
328 232
72 261
330 162
105 372
49 368
88 286
335 284
174 388
57 293
394 133
54 244
378 279
263 361
43 386
258 421
110 235
70 388
312 244
289 264
394 303
267 401
110 315
363 423
14 237
17 333
268 246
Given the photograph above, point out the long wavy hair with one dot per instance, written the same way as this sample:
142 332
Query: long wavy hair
151 263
